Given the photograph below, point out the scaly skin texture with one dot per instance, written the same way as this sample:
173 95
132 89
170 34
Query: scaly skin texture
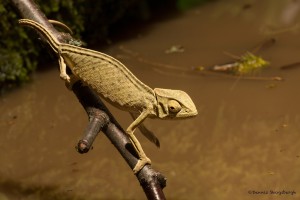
111 80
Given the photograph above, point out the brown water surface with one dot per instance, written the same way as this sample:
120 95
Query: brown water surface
245 138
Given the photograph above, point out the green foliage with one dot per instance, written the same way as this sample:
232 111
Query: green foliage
249 63
11 71
246 64
15 56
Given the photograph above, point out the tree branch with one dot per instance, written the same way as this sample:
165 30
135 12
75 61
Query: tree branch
100 119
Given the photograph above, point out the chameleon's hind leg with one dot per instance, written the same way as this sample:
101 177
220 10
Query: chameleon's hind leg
143 159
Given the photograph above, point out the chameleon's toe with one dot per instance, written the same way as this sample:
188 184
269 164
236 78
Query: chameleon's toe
140 164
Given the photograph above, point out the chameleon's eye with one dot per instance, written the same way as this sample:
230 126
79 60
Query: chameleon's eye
174 106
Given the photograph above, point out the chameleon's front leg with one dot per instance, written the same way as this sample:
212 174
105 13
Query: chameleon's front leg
63 69
143 159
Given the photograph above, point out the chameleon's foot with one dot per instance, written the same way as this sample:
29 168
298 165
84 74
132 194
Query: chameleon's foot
65 77
140 164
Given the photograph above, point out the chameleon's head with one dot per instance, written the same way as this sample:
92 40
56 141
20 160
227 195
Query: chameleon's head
174 104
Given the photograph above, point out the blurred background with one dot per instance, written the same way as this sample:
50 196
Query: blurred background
245 138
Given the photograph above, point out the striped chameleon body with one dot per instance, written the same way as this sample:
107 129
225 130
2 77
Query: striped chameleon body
111 80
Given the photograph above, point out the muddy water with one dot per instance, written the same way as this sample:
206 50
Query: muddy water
245 138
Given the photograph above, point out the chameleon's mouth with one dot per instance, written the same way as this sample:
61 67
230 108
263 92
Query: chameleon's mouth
190 114
186 113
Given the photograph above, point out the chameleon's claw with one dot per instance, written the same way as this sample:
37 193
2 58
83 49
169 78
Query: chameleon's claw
140 164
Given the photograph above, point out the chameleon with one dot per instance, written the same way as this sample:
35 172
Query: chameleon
115 83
